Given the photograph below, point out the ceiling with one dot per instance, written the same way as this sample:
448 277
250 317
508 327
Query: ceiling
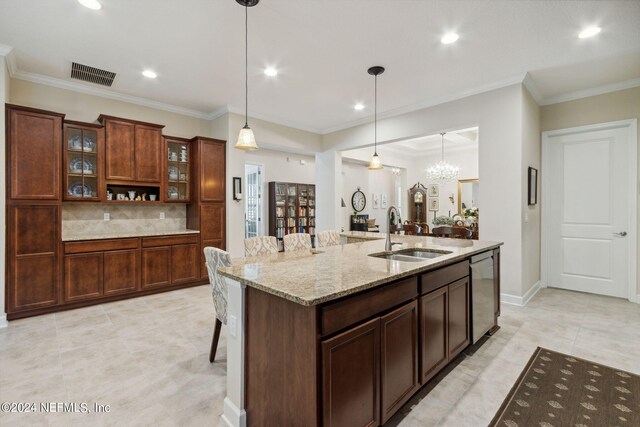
322 50
453 141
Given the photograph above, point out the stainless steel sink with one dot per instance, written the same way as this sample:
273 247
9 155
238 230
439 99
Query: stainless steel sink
396 257
411 254
423 253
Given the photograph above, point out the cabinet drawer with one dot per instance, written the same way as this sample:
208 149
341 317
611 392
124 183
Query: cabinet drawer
149 242
341 314
100 245
443 276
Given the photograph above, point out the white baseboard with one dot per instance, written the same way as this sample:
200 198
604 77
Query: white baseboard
232 415
3 321
523 300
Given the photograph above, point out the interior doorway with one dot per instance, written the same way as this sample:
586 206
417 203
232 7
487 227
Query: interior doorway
589 208
253 200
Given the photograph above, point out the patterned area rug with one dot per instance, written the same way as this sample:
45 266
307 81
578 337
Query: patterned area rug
559 390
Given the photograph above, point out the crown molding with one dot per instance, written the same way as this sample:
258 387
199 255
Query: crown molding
600 90
532 87
277 121
5 50
104 93
430 103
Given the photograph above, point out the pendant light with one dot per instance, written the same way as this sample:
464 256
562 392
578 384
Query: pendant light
443 171
375 163
246 138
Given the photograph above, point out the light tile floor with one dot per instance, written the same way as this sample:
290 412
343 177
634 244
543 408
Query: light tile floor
148 359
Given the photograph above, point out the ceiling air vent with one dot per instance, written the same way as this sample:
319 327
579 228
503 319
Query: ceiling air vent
92 75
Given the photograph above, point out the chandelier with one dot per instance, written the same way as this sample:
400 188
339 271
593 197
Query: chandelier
443 171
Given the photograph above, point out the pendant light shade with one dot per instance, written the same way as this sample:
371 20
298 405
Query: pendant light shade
443 171
246 138
375 163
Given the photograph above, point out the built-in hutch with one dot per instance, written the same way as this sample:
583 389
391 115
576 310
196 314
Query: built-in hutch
52 161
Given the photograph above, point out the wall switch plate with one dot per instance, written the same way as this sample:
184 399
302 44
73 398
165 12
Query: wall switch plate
526 217
232 325
107 216
161 215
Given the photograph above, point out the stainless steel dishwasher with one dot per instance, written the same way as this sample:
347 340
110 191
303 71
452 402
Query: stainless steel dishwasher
482 297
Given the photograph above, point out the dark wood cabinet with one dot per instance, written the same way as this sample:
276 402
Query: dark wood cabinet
399 358
169 260
445 325
32 258
459 322
351 377
177 173
133 150
156 266
121 271
184 263
34 150
206 212
148 153
435 353
120 149
82 162
83 275
212 170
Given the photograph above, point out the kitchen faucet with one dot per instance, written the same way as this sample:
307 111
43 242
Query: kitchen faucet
388 245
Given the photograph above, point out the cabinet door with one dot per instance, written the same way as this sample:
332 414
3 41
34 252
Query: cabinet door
399 358
148 153
433 326
119 150
156 267
121 271
82 276
212 171
351 377
32 256
212 231
184 263
34 155
459 337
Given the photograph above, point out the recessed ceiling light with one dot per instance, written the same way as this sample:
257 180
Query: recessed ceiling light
149 74
271 72
449 38
91 4
589 32
359 106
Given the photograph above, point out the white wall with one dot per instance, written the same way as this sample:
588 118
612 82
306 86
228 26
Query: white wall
498 114
4 97
531 215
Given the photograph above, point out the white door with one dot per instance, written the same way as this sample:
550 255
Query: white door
253 200
586 180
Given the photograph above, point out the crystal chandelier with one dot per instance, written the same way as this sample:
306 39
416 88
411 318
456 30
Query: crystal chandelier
442 171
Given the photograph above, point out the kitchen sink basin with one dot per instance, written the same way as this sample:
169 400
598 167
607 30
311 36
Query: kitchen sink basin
423 253
411 255
396 257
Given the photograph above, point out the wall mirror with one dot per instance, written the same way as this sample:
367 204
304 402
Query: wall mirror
467 194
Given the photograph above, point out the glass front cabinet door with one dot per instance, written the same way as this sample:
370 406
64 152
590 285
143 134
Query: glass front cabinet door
83 146
178 171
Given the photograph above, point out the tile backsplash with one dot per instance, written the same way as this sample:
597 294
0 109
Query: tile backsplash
79 218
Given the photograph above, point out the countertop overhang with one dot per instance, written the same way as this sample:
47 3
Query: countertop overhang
316 276
75 237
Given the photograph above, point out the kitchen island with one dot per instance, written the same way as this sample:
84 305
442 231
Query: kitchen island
335 336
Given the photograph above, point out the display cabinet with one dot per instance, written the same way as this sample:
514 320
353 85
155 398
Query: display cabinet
177 171
82 159
292 208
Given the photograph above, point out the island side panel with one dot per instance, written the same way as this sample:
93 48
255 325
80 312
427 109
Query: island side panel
281 361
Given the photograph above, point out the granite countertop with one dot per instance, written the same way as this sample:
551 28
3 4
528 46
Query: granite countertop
363 235
312 277
71 237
